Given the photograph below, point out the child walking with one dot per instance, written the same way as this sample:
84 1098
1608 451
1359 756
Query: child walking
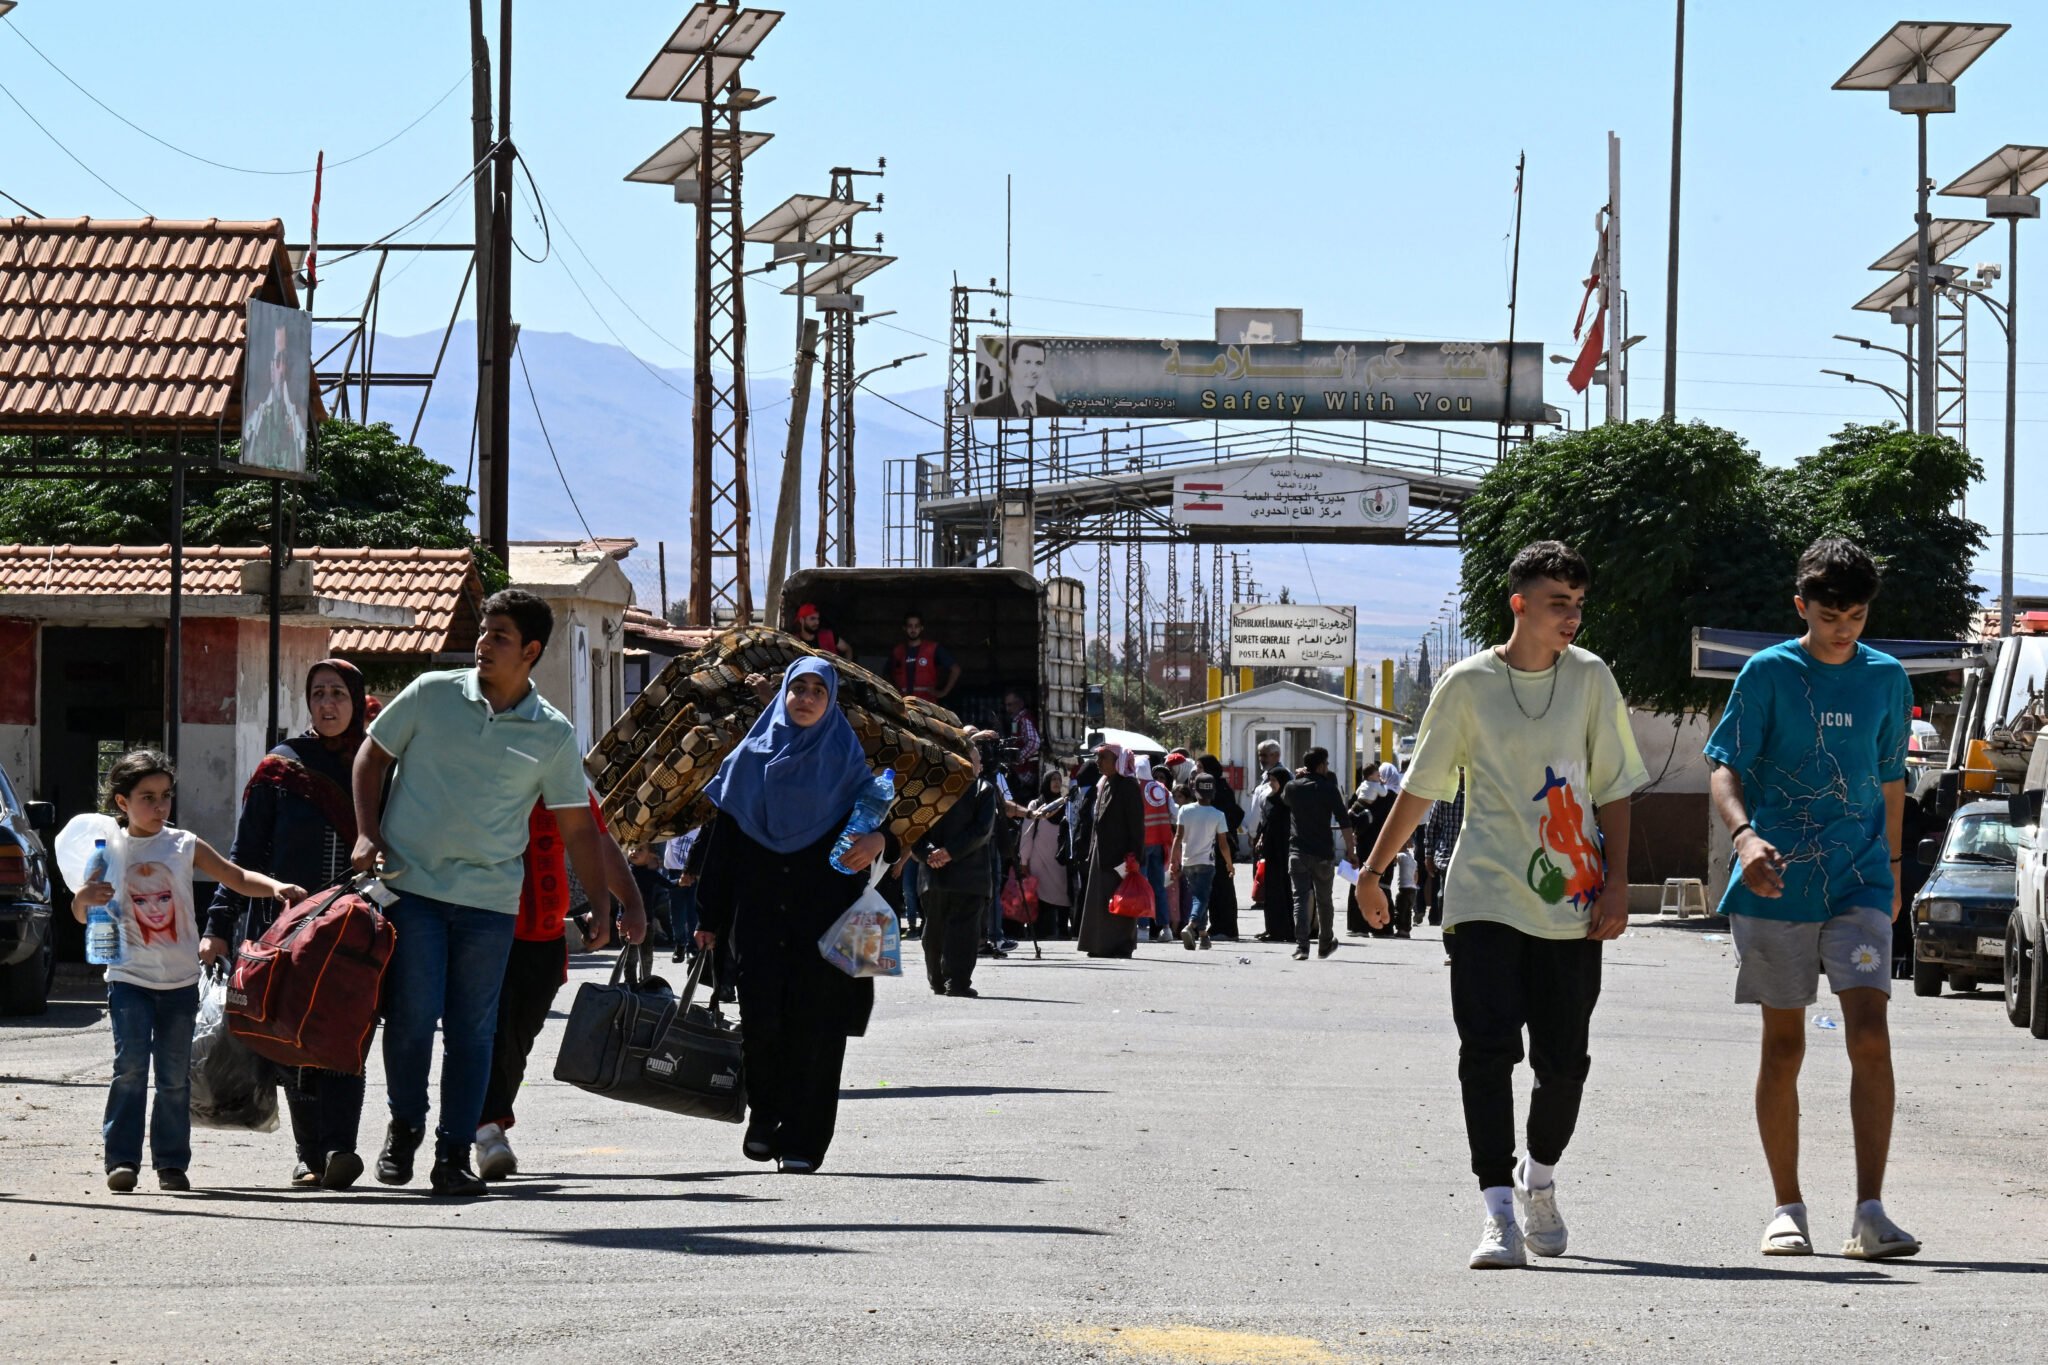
153 991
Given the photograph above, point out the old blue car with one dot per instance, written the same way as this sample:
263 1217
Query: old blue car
1959 916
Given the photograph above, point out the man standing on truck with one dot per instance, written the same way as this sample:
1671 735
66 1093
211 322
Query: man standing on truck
812 630
1809 775
919 667
1024 735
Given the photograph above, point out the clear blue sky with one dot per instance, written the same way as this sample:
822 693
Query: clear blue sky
1354 159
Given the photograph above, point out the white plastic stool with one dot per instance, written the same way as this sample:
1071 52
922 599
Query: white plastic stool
1682 896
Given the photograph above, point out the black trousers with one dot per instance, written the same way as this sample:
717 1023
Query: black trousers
793 1055
533 974
953 930
1503 980
326 1109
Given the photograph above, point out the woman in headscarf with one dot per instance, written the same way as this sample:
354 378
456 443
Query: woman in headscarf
1223 894
1119 833
783 795
1370 806
1040 850
298 824
1081 834
1276 893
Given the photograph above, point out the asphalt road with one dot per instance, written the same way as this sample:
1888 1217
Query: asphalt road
1223 1156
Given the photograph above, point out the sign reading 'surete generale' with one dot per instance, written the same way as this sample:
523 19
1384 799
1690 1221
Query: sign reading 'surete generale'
1289 635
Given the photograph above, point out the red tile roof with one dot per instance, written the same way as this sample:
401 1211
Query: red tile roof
440 587
132 323
647 628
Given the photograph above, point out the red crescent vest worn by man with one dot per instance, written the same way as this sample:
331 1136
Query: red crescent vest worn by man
919 669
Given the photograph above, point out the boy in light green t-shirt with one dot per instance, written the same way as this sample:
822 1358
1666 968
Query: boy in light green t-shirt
1541 734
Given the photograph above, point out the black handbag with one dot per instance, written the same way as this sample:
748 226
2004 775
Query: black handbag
633 1040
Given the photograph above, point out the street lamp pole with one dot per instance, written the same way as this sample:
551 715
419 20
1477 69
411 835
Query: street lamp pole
1904 401
2007 180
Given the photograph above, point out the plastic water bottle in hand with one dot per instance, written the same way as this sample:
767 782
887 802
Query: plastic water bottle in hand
870 808
103 941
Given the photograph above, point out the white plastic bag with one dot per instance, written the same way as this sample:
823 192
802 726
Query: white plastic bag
865 940
73 845
1347 871
231 1086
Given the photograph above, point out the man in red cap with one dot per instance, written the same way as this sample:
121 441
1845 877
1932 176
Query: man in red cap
810 628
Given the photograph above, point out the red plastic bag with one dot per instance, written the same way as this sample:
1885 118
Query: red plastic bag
1132 898
1020 898
1259 882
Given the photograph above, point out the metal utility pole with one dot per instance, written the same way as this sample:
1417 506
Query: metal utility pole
1610 286
1923 283
700 63
489 454
1671 252
495 491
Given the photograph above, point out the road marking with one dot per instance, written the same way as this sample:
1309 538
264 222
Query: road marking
1204 1345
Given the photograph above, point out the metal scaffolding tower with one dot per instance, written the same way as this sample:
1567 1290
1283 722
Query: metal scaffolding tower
835 412
700 64
1952 365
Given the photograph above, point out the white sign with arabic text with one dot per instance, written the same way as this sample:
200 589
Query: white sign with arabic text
1291 494
1288 635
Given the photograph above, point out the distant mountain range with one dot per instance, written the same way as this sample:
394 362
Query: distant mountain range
621 431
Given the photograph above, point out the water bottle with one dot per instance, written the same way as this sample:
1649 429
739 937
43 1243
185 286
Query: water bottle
104 944
870 808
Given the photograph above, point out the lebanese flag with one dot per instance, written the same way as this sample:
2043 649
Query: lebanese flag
1596 339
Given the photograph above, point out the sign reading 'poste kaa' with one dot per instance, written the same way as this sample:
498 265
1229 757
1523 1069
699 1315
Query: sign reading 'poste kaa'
1288 635
1284 493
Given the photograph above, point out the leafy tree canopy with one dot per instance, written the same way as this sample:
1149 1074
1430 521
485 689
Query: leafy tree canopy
1685 526
372 490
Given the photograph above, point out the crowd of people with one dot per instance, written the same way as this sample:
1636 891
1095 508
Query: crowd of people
1510 827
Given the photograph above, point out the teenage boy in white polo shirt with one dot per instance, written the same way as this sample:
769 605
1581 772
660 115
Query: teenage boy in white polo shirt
474 749
1538 882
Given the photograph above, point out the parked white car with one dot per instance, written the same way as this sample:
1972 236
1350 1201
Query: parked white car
2026 934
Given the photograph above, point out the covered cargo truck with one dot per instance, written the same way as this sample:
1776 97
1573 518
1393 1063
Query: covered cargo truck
1003 627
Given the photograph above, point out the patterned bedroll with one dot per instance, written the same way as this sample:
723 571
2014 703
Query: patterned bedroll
651 768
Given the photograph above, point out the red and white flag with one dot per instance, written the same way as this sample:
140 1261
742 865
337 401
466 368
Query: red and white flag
1595 348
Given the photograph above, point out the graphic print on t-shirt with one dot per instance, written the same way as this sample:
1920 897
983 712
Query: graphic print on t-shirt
1562 830
151 893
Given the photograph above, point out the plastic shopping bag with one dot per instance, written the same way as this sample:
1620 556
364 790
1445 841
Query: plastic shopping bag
231 1086
865 940
1132 898
1020 898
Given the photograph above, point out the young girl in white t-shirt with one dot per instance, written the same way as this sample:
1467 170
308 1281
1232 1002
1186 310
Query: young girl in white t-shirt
153 992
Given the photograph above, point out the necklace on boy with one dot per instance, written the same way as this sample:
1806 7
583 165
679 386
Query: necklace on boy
1501 654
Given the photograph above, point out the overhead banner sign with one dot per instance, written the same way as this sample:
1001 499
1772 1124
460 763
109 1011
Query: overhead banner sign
1309 381
1258 326
1282 635
1282 494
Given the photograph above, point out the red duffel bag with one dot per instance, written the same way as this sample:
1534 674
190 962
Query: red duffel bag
306 993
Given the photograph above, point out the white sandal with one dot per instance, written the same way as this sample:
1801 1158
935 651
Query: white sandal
1787 1236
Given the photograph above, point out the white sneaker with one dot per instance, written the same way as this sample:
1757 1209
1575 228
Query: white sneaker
1546 1232
1877 1237
494 1158
1787 1235
1500 1246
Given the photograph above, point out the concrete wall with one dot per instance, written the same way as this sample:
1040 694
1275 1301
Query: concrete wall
1669 819
595 705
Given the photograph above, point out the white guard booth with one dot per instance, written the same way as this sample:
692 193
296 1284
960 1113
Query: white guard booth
1296 717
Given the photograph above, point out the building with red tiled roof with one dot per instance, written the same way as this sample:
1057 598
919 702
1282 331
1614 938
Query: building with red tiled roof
84 653
131 325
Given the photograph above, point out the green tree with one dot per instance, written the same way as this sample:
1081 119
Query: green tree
1684 526
372 490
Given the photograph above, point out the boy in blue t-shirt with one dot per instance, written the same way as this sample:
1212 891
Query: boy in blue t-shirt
1809 774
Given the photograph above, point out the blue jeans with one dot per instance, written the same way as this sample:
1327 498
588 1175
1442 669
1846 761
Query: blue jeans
682 913
1154 865
150 1025
911 917
448 966
1200 878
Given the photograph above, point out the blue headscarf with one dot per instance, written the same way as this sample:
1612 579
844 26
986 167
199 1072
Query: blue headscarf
789 786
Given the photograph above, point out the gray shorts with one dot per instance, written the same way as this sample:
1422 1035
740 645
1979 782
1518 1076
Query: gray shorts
1778 962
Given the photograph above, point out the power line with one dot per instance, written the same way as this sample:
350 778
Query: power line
408 223
68 152
894 404
520 351
18 204
570 233
222 165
